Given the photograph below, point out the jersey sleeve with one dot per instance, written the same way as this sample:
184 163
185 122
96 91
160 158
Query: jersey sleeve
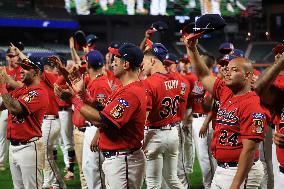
149 95
121 109
34 100
253 122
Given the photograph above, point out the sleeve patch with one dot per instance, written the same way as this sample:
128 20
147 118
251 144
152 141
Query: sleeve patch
257 126
123 102
117 111
183 88
28 97
101 98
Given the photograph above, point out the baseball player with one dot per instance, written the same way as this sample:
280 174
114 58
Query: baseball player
121 122
164 93
51 132
171 62
27 106
189 150
99 90
12 79
240 122
265 86
199 114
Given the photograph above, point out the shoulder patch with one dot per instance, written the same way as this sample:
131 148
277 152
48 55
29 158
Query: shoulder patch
117 111
123 102
28 97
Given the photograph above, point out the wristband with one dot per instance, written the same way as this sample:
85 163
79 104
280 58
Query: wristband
77 102
3 89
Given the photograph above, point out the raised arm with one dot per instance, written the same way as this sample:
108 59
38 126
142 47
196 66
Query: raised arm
263 86
201 70
143 42
74 55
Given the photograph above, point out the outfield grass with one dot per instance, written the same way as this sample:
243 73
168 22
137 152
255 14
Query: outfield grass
6 180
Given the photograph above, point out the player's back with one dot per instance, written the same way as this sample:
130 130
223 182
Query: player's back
163 94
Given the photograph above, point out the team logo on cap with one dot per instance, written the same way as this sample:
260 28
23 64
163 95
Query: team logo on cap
28 97
117 111
101 98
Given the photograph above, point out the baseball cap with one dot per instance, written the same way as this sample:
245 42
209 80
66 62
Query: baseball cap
27 64
80 38
158 50
226 48
45 61
159 26
278 49
208 23
228 57
114 46
91 39
130 53
95 58
171 58
185 59
188 31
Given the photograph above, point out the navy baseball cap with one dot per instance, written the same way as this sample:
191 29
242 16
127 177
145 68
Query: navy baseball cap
208 23
28 64
80 38
226 48
159 26
158 50
171 58
114 46
95 58
188 31
185 59
130 53
91 39
228 57
45 61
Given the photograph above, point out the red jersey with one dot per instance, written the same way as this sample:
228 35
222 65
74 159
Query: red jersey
197 93
163 98
26 126
279 116
185 90
126 110
48 79
98 91
238 117
62 83
15 74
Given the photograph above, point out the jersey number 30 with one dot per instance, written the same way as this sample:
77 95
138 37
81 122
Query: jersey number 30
170 106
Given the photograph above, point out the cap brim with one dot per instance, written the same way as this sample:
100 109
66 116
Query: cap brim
149 43
25 66
169 62
114 51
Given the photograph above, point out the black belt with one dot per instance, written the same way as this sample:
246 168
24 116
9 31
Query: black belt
167 127
64 108
50 117
108 154
18 143
197 115
82 129
281 169
230 164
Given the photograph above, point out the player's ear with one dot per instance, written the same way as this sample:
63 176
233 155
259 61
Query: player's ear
153 61
126 65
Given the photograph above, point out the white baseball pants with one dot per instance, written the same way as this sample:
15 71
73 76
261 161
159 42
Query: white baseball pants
50 134
223 177
280 180
125 171
161 150
26 164
4 144
202 145
92 161
158 7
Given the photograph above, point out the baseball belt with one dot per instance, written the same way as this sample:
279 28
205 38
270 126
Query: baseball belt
18 143
231 164
167 127
108 154
197 115
82 129
50 117
281 169
65 108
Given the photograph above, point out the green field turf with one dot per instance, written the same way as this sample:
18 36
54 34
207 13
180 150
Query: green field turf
6 180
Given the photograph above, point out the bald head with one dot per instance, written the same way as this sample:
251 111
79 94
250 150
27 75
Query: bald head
243 64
